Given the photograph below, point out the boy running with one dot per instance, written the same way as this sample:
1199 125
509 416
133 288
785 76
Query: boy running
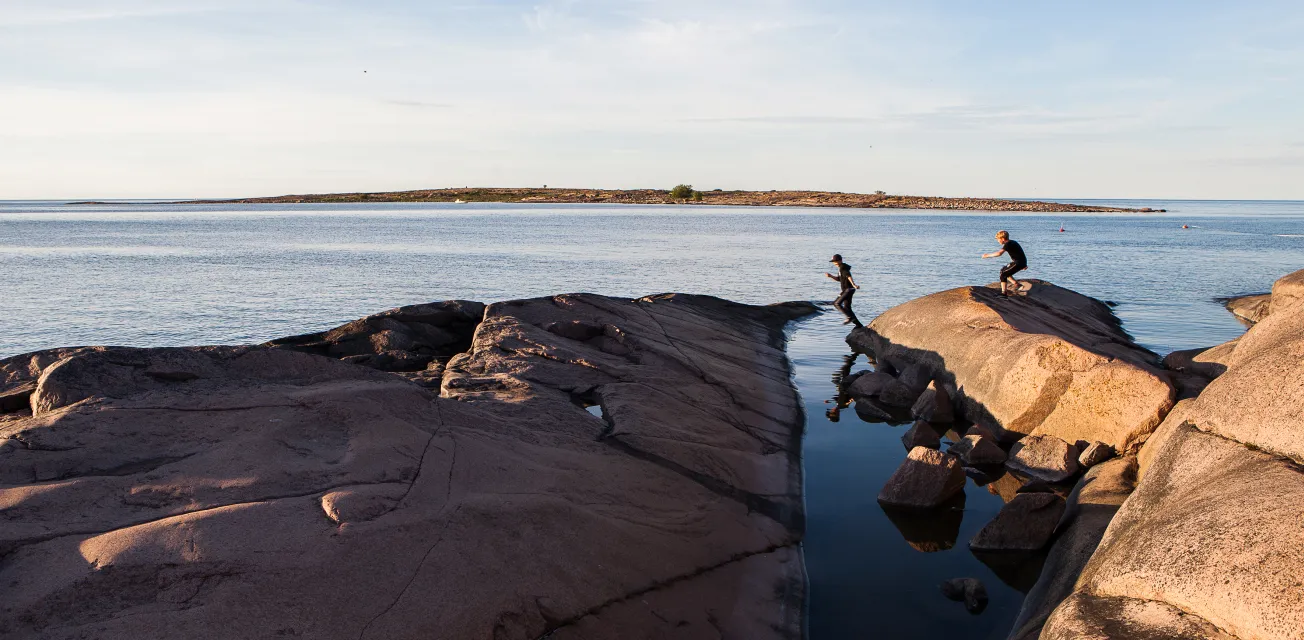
1018 261
849 286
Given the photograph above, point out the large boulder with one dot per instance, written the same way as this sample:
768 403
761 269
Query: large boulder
1052 362
925 479
249 492
1212 534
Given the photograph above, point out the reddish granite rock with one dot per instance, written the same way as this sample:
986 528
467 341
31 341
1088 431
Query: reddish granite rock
246 492
925 479
1050 362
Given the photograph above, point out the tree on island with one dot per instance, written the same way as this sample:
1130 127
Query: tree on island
682 192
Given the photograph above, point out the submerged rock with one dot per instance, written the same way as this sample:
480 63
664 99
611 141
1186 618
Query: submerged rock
970 591
250 492
1044 457
1052 362
925 479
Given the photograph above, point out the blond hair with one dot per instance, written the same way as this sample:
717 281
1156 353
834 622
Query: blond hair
1002 235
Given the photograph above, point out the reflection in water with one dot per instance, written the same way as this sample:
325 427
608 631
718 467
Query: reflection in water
841 400
929 530
1018 569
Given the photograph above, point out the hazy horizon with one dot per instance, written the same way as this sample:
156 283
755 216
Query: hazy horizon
171 99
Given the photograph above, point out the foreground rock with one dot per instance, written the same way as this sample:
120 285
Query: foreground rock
1210 543
1052 362
245 492
925 479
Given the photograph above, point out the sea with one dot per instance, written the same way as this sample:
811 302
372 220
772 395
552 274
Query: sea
158 274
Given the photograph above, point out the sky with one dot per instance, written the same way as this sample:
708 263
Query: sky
231 98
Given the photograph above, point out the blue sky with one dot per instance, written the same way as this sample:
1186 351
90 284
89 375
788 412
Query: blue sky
147 98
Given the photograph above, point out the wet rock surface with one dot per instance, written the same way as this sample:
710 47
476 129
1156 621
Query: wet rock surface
1050 362
237 492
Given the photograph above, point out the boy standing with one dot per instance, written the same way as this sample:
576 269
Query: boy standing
1018 261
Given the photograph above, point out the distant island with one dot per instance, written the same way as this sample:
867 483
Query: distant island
682 194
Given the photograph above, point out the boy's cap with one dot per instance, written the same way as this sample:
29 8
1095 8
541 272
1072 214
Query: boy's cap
837 257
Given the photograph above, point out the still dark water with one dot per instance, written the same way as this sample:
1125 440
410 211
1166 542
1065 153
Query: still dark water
167 275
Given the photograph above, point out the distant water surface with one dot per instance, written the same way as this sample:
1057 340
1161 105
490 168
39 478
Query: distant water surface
151 275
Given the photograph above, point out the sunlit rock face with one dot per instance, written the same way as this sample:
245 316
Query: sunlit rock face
1048 361
256 492
1210 544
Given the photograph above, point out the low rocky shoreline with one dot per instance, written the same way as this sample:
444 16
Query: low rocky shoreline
580 466
657 196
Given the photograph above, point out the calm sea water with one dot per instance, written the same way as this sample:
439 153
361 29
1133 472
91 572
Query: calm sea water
173 275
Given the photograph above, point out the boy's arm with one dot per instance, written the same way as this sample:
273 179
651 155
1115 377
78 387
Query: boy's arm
830 276
852 281
995 254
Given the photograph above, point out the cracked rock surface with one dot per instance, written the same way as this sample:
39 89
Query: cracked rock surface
251 492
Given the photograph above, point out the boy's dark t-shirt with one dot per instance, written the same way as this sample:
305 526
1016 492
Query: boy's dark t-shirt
1015 252
844 276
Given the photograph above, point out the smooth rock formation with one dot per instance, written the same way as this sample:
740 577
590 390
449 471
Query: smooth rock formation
925 479
1052 362
1023 524
921 434
1044 457
970 591
1249 309
1087 514
976 449
1211 539
251 492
